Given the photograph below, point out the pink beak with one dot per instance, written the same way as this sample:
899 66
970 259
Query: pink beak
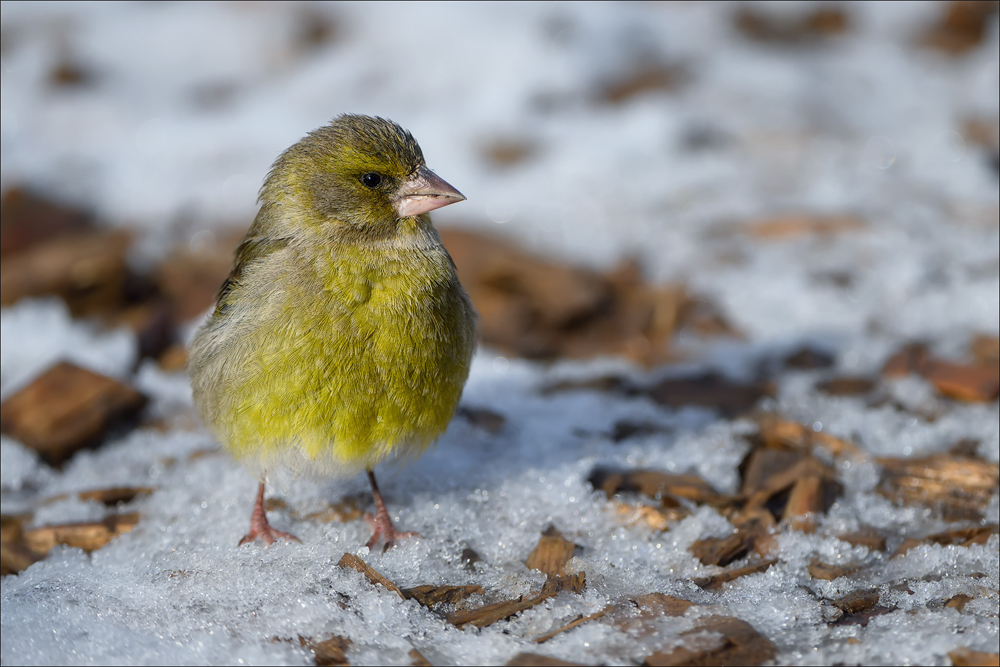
424 191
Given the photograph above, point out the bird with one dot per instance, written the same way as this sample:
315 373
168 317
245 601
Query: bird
342 337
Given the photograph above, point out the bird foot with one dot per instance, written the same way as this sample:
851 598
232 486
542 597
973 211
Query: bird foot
381 525
260 528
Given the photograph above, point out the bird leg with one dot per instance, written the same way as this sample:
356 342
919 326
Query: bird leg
259 527
381 523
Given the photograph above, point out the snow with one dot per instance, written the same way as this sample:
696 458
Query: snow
190 105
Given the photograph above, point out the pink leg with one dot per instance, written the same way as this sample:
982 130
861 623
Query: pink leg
381 523
259 527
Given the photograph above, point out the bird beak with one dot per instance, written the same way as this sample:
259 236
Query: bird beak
424 191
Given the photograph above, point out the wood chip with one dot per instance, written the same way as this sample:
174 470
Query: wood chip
655 484
718 640
908 360
572 624
709 390
963 657
647 78
827 572
190 279
29 219
491 613
965 537
429 595
487 420
866 537
795 226
857 602
342 512
960 487
962 382
715 581
962 26
807 358
417 659
505 153
88 271
986 350
655 518
115 495
536 660
801 29
15 555
66 409
332 651
89 536
847 386
958 602
722 551
551 553
661 604
349 560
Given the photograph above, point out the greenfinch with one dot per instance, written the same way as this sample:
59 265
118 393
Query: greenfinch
342 337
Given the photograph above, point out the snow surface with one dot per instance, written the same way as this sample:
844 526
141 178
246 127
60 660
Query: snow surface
190 105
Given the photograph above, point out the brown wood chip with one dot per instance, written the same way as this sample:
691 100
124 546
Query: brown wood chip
962 26
655 518
866 537
963 657
86 536
718 640
349 560
964 537
709 390
715 581
958 602
661 604
89 272
344 511
332 651
551 553
30 219
491 613
827 572
115 495
488 420
793 226
572 624
655 484
986 350
962 382
857 602
66 409
417 659
429 595
960 486
722 551
536 660
648 78
847 386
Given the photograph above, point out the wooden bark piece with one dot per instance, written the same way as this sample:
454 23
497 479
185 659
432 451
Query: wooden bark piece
715 581
960 486
349 560
429 595
551 553
86 536
718 640
66 409
491 613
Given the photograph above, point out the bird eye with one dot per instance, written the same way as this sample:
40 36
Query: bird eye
371 180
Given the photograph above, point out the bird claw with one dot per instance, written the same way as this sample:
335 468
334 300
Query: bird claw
382 527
